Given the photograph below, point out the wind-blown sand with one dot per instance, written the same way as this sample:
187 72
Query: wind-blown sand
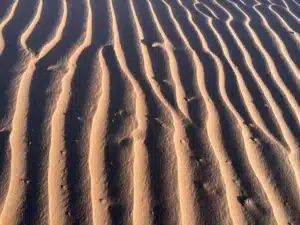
150 112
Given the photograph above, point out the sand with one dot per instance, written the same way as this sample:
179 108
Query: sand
150 112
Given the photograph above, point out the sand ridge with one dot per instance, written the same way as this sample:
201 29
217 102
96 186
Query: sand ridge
229 80
58 196
5 21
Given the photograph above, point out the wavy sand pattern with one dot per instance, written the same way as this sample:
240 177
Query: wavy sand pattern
190 113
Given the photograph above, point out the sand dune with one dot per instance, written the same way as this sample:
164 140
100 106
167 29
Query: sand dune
189 113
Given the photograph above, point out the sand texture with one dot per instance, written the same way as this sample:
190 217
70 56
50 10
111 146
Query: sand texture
150 112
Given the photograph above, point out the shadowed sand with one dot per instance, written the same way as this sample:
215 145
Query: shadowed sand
174 112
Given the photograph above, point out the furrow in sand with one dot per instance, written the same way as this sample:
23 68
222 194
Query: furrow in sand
57 172
289 10
4 22
31 27
37 207
10 61
255 156
279 42
141 175
288 136
274 72
245 133
292 14
292 33
264 89
173 68
213 128
15 198
210 10
284 2
242 2
58 33
5 8
79 116
98 136
244 91
147 63
247 97
187 194
13 57
296 3
19 124
148 70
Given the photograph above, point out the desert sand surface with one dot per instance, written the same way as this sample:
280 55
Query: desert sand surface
150 112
